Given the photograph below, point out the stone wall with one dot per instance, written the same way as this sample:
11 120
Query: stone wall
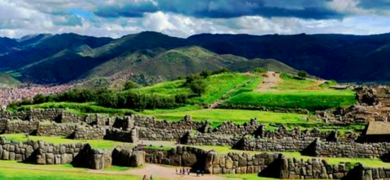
18 126
67 117
56 154
236 163
89 132
355 150
292 168
123 136
275 145
127 156
80 155
151 122
314 147
39 152
46 115
374 173
211 140
54 129
232 128
179 156
213 163
158 134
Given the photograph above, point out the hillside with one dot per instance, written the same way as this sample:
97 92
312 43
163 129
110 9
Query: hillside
151 66
151 57
346 58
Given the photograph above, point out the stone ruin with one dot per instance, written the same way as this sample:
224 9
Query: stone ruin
80 155
250 136
373 104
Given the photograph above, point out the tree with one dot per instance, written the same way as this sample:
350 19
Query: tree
40 98
130 85
191 78
198 87
206 73
302 74
223 70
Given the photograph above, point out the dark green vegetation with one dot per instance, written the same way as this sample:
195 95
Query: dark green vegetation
143 56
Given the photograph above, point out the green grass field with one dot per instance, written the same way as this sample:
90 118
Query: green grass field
311 100
289 83
98 144
217 86
78 108
170 88
238 116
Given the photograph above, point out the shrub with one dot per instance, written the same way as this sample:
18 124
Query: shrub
206 73
191 78
198 87
130 85
302 74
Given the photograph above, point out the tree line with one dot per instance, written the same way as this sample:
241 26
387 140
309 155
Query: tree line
111 99
127 99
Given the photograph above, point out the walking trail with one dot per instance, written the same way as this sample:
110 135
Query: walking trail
160 172
271 80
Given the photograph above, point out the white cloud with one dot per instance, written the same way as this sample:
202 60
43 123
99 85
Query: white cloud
23 17
347 6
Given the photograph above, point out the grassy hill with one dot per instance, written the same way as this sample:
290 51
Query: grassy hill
238 91
339 57
156 65
218 87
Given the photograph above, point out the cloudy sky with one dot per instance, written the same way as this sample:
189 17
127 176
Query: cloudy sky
183 18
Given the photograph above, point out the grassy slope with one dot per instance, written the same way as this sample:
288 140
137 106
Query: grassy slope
293 93
311 100
237 116
269 64
170 88
156 65
217 86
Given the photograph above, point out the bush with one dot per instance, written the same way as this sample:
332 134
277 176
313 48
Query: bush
40 98
206 73
191 78
130 85
302 74
198 87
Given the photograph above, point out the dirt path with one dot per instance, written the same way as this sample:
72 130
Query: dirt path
216 104
160 172
169 173
271 80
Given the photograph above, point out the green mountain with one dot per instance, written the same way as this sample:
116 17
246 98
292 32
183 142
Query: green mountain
151 66
150 57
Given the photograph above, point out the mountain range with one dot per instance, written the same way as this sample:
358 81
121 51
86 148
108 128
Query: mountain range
150 57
